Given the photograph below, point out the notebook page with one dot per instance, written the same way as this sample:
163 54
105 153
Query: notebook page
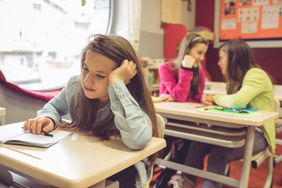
39 140
10 131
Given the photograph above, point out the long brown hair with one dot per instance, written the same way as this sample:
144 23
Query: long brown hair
240 60
83 111
187 43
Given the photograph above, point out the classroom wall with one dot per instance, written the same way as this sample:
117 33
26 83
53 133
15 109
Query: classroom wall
269 58
119 19
151 33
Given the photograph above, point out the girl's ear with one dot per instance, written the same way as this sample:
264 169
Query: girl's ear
188 51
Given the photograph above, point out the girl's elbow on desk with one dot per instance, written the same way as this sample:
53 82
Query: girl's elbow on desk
137 143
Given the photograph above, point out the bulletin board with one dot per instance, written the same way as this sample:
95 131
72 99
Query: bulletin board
250 19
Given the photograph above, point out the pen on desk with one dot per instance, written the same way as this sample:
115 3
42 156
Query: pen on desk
47 134
44 132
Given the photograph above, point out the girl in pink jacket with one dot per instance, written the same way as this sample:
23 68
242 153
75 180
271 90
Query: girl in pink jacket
183 80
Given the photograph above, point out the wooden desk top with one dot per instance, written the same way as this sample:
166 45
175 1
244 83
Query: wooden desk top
74 162
190 110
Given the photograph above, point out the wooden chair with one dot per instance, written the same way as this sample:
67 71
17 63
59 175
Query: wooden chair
161 122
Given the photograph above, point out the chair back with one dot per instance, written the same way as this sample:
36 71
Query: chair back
161 125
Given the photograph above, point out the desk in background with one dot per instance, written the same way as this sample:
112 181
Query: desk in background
187 112
75 161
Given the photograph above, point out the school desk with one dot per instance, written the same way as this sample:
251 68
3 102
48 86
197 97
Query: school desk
76 161
180 116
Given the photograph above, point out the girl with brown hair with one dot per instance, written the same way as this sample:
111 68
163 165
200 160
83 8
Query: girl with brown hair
109 98
248 85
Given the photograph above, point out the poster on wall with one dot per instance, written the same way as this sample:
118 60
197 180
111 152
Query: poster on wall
250 19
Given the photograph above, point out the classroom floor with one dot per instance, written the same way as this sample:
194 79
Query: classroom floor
258 175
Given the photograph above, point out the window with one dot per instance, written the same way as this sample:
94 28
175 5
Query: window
41 40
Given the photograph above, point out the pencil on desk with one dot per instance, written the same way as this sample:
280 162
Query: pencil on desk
44 133
47 133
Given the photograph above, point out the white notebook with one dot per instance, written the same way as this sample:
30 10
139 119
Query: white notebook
14 134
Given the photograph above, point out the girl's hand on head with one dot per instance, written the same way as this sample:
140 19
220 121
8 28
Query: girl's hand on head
207 100
166 98
188 61
39 125
125 72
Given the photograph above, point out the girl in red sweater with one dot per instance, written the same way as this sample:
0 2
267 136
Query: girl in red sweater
183 80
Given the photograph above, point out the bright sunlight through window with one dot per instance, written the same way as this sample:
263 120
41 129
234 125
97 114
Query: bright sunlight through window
41 40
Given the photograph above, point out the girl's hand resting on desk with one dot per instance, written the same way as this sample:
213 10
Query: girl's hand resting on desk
125 72
39 125
166 98
207 100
